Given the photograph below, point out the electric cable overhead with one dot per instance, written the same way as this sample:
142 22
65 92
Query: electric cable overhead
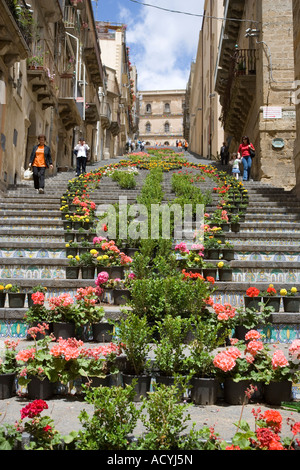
241 20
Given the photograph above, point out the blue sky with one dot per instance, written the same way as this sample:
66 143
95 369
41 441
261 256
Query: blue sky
162 44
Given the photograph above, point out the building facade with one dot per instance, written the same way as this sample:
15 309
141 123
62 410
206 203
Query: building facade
121 80
296 17
206 134
254 78
161 117
53 82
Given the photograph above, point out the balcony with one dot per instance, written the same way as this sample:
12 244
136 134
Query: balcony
92 112
52 11
69 112
14 32
228 38
92 57
238 95
105 115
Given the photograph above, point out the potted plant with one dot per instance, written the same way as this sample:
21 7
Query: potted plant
37 288
227 251
208 336
37 313
122 289
72 271
252 299
36 366
212 247
71 248
251 317
114 419
64 316
271 299
84 246
88 309
8 370
225 272
170 359
16 298
235 223
87 263
291 300
134 337
98 365
3 291
279 375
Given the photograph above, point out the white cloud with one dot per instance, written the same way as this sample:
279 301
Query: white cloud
163 44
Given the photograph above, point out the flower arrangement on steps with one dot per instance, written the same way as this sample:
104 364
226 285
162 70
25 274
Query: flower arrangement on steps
290 299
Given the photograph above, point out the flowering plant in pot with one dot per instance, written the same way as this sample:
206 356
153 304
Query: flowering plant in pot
64 316
252 298
291 300
8 369
16 298
271 298
36 361
225 271
87 306
249 318
37 313
43 435
100 362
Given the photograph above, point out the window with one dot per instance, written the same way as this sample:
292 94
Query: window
167 127
167 107
148 108
148 127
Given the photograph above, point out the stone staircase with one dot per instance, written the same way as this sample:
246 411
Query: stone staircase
32 245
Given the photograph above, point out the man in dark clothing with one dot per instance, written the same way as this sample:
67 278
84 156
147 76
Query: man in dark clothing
224 154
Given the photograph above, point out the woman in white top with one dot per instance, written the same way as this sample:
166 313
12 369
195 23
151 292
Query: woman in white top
81 150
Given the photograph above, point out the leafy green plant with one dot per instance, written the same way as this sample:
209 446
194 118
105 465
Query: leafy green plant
125 179
8 364
169 349
134 337
114 419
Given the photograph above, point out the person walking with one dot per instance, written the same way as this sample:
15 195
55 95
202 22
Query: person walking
235 162
224 154
245 154
81 150
40 159
186 145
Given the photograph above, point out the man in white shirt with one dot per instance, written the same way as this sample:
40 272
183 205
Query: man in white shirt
81 150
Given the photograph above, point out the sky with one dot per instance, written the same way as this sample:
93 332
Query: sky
162 44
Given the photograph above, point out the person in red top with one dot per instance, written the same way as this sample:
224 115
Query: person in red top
244 154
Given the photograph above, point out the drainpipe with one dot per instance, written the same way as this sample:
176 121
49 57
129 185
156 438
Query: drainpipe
77 57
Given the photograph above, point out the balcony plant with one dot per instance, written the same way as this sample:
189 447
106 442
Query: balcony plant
8 369
291 300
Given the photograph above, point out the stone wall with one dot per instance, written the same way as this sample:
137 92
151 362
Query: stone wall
296 13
